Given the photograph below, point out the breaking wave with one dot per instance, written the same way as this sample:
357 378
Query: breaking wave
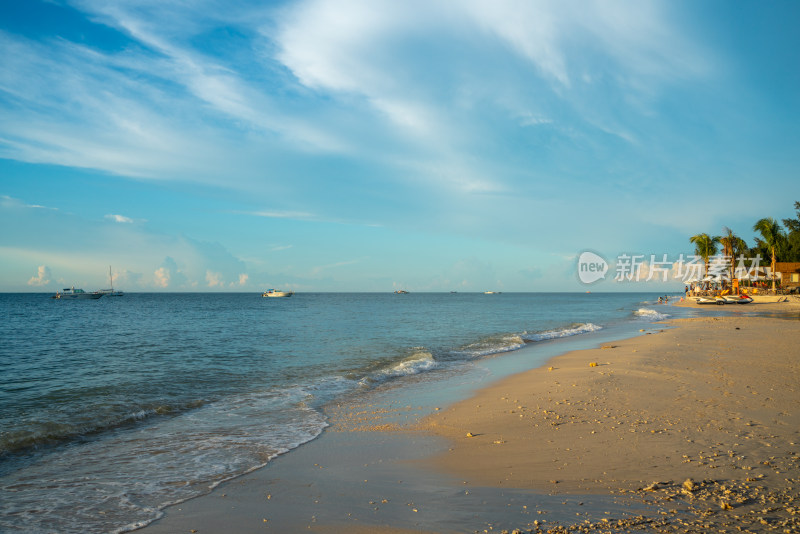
650 315
572 330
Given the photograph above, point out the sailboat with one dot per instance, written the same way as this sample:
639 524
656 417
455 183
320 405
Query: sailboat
111 292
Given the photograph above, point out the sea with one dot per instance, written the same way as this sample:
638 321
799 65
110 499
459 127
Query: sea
113 409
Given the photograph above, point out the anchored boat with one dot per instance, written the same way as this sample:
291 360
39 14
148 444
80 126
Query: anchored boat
70 293
111 292
276 293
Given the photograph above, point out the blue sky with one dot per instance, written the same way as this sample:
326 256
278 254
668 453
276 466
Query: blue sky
356 145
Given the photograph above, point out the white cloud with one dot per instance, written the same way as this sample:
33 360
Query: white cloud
119 218
161 277
214 279
42 277
243 278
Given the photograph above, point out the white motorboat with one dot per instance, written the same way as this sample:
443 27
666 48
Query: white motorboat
70 293
276 293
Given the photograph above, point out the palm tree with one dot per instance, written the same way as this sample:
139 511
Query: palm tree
705 246
773 237
732 246
728 241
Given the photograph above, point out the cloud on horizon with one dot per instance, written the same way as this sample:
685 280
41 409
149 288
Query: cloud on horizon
42 278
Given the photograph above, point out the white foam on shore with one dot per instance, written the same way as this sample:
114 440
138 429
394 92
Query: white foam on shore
572 330
650 315
421 360
492 345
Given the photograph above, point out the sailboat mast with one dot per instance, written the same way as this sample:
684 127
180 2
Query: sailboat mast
110 279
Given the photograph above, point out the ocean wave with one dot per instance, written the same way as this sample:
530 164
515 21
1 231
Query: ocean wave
571 330
187 456
37 435
419 361
510 342
492 345
650 315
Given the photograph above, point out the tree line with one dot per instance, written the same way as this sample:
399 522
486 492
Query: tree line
775 242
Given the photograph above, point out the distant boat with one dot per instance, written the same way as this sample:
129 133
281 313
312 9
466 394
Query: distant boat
401 292
72 294
276 293
491 292
111 292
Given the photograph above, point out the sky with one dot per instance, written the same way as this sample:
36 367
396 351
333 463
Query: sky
369 145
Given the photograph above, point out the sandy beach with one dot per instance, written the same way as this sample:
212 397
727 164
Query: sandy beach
700 417
692 426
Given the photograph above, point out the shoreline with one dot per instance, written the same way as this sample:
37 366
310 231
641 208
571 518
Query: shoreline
379 467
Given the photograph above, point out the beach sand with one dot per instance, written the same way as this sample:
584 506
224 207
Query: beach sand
715 402
693 428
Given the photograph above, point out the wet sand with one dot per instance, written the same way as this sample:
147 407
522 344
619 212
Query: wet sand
693 428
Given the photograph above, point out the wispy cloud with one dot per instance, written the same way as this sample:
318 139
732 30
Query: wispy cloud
277 214
235 118
481 119
120 218
10 202
321 268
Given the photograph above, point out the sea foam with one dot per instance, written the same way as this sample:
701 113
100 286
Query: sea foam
650 315
572 330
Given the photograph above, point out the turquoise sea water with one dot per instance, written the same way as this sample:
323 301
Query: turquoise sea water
111 409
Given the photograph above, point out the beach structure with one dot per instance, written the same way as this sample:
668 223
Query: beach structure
788 273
